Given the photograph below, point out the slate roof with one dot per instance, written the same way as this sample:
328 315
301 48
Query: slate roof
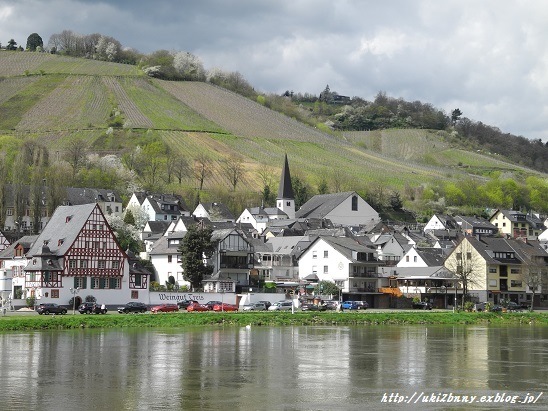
346 246
422 272
161 246
218 209
63 228
322 204
26 242
488 246
432 256
285 190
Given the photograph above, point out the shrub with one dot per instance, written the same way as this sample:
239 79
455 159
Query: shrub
468 305
30 301
90 299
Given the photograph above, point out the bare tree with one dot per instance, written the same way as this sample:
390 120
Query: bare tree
535 271
57 179
202 169
76 154
233 167
180 168
266 175
467 266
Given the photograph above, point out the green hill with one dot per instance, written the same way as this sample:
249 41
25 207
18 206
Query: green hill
57 98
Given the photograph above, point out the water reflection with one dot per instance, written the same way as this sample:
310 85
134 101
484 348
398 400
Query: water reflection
266 367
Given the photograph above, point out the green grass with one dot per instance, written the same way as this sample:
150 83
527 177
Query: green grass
239 319
15 108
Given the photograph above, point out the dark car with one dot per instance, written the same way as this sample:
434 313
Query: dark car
184 304
422 305
92 308
50 308
210 304
313 307
512 306
362 305
266 303
133 307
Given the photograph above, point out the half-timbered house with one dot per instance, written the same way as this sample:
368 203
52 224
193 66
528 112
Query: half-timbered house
77 254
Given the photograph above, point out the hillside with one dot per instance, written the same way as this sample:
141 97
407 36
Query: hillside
56 98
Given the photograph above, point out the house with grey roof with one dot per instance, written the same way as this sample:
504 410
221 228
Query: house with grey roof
28 217
13 259
473 225
517 224
353 267
346 208
214 212
78 250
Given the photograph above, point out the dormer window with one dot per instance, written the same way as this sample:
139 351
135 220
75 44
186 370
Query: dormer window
68 218
354 203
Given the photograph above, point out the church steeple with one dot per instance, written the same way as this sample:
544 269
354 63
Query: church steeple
286 199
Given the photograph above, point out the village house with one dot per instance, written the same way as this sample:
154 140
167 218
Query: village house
501 268
214 212
160 207
77 255
353 267
23 219
346 208
517 224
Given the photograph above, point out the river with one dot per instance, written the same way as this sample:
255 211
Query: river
275 368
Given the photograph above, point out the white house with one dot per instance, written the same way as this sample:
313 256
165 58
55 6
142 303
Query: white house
344 261
346 208
440 222
160 207
166 259
77 252
260 217
214 212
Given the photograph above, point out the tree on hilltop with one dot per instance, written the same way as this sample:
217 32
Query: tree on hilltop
34 41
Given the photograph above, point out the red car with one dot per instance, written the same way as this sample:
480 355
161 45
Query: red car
197 307
225 307
164 308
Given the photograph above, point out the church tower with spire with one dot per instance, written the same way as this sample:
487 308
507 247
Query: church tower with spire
286 199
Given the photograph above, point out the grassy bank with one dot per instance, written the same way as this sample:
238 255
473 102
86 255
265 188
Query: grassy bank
181 320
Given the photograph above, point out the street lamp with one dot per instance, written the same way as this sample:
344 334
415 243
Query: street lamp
74 291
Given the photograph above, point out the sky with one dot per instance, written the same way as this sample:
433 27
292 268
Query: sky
488 58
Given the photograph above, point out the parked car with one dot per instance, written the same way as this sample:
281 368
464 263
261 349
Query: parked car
422 305
195 306
210 304
133 307
495 308
50 308
184 303
281 306
266 303
258 306
225 307
313 307
512 306
92 308
331 305
362 305
350 305
164 308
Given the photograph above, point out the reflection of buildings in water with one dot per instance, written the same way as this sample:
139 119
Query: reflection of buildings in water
468 362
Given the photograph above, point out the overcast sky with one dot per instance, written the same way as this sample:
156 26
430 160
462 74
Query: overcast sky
489 58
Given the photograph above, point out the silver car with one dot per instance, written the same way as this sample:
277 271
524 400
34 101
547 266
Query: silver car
281 306
255 307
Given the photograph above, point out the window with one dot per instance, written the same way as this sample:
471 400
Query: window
468 255
79 282
515 283
134 295
169 258
354 203
116 264
406 258
138 280
101 264
96 283
288 203
72 263
414 258
54 293
326 254
314 269
314 254
493 270
9 211
515 270
83 263
325 269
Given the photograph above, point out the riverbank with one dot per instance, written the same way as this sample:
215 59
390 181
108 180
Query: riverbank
181 320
